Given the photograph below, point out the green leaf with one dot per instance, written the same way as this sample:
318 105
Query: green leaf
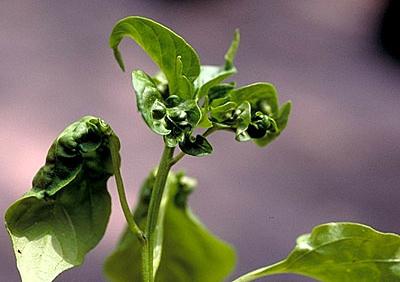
231 53
220 91
260 94
163 46
189 251
223 112
243 120
205 121
196 146
281 122
148 99
209 77
340 252
181 120
66 212
213 75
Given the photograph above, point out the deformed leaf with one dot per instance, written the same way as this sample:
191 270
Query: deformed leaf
243 120
260 94
148 98
281 122
196 146
340 252
163 46
189 251
66 212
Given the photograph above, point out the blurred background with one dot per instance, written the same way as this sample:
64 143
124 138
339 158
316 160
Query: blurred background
338 160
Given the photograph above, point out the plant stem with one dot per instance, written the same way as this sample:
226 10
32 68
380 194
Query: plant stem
277 268
153 213
116 161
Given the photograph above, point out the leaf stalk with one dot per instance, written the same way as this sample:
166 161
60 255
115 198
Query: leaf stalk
121 192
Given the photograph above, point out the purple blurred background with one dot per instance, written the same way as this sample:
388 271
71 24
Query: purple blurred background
338 160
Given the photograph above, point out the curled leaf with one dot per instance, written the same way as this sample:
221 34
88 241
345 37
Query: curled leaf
66 212
196 146
281 122
149 102
163 46
260 95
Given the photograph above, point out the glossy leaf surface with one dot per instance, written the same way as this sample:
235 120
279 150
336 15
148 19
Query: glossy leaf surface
340 252
189 251
175 57
66 212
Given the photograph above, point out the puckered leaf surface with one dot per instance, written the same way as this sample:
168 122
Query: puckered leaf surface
65 214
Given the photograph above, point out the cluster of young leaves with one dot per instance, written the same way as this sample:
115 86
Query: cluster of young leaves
186 250
66 212
186 95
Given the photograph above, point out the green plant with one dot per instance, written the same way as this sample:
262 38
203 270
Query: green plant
65 214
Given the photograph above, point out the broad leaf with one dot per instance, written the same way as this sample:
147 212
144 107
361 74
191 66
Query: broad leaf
340 252
213 75
163 46
66 212
189 251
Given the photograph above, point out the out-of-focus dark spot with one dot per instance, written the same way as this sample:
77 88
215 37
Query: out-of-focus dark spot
389 30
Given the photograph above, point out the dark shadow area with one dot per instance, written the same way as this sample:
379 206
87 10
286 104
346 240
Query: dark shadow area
388 36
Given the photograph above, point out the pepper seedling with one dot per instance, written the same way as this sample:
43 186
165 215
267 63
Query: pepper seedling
65 214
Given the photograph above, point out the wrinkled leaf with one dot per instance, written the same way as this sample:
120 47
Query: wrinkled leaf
260 94
243 121
281 123
66 212
223 112
213 75
340 252
197 146
163 46
189 252
148 98
181 120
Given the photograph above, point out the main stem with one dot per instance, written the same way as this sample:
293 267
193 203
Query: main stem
154 208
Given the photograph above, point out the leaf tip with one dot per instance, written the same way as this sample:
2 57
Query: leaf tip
118 58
